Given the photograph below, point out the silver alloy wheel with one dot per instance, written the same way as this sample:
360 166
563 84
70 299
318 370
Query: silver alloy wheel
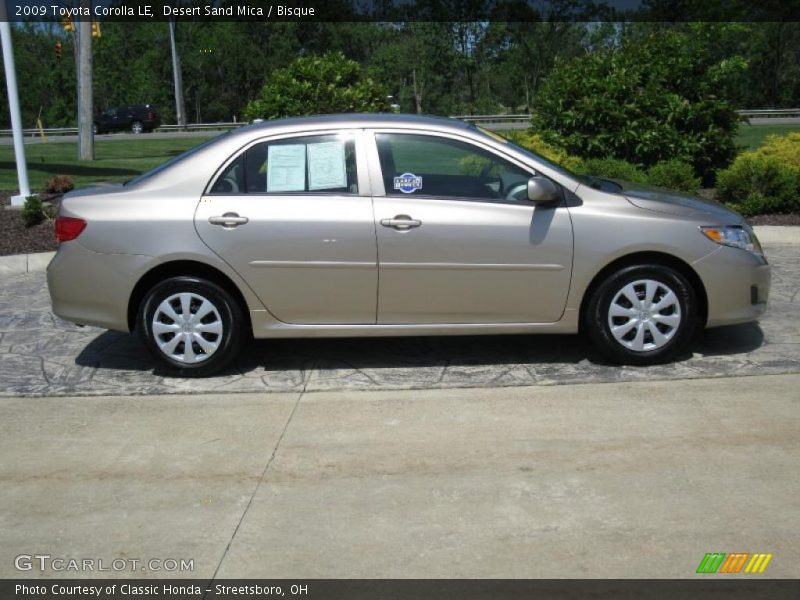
644 315
137 127
187 327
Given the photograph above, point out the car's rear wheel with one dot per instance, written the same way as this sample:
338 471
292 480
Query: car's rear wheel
137 127
191 326
642 315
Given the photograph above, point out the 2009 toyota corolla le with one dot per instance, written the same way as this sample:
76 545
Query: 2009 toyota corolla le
386 225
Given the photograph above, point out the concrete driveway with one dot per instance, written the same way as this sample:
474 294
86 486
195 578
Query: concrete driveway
614 480
42 355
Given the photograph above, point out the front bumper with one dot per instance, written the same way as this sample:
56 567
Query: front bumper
88 288
737 285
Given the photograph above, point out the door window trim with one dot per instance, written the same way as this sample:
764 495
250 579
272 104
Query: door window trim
362 168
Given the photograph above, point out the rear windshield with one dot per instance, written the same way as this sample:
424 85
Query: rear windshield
175 160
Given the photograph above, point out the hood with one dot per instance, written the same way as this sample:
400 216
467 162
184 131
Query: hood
676 203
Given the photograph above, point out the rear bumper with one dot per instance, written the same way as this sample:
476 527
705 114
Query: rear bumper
88 288
737 285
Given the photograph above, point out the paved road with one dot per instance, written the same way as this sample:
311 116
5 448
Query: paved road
602 480
42 355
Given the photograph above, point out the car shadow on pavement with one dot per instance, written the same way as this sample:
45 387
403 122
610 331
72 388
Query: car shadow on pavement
731 339
114 350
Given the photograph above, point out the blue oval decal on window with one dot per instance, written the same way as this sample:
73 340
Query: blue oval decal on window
407 183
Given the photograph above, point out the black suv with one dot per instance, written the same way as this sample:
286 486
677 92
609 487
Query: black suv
136 118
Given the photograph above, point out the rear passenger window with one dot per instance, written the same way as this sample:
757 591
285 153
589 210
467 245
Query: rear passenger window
311 164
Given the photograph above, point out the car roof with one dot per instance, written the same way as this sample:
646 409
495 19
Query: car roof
359 120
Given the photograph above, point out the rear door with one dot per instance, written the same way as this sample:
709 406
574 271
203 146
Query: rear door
293 216
458 240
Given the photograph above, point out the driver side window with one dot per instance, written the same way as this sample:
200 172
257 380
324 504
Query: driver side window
437 166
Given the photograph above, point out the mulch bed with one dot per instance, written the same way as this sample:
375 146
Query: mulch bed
15 238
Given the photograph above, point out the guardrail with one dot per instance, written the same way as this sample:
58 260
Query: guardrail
494 118
50 131
35 131
767 113
201 127
763 113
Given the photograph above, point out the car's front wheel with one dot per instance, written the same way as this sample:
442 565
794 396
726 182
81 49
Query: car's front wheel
642 315
191 326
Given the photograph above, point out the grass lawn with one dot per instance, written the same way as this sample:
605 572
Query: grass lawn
115 161
752 136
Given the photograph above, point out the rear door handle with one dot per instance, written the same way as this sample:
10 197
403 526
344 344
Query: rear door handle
401 222
229 220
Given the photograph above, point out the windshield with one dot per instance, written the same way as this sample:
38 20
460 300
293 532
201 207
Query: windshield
598 183
175 160
538 157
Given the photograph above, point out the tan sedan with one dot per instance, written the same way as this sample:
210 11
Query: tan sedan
387 225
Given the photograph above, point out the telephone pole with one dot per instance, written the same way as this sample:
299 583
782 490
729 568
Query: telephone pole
85 100
13 107
176 76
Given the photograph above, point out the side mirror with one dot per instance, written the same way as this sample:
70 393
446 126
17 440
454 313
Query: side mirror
541 190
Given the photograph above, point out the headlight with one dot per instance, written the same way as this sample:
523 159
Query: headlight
734 235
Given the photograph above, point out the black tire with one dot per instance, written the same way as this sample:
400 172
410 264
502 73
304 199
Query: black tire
137 127
598 315
228 313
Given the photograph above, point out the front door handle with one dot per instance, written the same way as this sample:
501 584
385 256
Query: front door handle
228 220
401 222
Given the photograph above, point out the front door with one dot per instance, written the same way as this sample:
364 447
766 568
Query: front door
458 240
293 217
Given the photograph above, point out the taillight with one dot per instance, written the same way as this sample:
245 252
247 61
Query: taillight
151 116
68 228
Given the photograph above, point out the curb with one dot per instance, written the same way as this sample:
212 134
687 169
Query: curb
778 234
19 264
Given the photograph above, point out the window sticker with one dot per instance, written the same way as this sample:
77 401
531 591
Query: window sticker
286 168
408 183
326 166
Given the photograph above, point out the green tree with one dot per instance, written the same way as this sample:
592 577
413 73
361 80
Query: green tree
647 100
416 63
315 84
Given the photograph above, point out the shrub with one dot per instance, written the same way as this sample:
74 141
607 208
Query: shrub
536 143
316 84
757 183
59 184
652 99
783 148
613 168
32 212
674 174
756 204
